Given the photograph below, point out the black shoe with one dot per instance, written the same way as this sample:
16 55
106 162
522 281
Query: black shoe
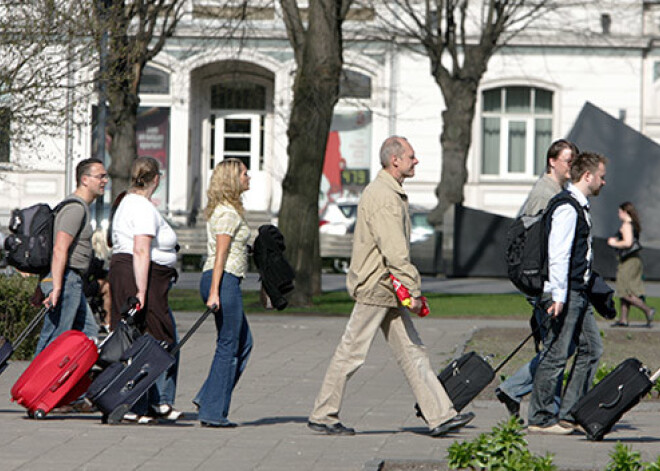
334 429
452 424
226 424
512 406
620 324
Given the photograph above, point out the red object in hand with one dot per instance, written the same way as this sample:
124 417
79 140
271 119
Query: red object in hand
406 298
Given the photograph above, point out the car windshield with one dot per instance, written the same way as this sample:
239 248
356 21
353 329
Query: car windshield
348 210
419 220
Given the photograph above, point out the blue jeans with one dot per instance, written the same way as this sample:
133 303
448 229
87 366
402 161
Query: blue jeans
519 384
232 350
575 323
164 390
71 311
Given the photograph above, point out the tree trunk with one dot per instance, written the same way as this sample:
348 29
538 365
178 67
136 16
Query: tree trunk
309 125
123 106
315 91
456 138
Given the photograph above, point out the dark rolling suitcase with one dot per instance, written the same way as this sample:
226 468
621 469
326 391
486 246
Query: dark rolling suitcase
465 377
613 396
121 384
8 348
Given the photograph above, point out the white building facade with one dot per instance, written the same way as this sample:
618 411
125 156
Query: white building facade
204 99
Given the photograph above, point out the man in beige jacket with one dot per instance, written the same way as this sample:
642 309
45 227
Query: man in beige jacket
382 247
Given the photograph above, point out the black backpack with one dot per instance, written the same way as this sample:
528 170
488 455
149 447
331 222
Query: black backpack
29 248
276 272
527 247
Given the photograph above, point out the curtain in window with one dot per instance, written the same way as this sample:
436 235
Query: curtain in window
517 144
518 99
542 140
490 156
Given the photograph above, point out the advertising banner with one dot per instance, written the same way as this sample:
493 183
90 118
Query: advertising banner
347 157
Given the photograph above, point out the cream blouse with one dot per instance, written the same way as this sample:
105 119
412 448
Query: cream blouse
226 220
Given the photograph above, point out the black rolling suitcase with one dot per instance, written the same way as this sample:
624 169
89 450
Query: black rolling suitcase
613 396
8 348
465 377
121 384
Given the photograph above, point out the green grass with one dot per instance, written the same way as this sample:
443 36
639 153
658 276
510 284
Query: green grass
339 303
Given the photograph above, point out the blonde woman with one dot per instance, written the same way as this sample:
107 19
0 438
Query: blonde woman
142 265
629 284
220 286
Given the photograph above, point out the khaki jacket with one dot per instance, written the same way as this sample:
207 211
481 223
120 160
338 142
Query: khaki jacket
381 245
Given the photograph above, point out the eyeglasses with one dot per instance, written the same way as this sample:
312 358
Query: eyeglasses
100 176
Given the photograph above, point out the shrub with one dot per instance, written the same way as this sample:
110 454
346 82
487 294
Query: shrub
624 459
504 448
16 312
603 370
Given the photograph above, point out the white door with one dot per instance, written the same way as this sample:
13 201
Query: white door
241 136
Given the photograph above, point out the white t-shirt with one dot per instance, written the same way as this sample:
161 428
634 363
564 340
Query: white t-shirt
136 215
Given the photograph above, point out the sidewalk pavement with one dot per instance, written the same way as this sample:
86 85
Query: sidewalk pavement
271 404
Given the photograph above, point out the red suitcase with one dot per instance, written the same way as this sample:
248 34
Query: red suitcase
58 375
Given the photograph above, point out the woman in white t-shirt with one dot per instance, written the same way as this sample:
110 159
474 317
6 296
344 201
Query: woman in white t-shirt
220 286
143 265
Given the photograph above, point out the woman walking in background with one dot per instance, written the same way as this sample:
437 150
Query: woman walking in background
220 287
629 284
142 265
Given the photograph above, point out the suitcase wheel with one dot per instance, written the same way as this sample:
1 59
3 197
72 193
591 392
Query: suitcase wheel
39 414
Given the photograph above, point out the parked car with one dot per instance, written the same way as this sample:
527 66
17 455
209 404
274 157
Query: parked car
338 218
425 242
336 233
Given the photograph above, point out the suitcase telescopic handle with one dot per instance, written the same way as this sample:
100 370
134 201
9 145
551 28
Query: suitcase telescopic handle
619 395
193 329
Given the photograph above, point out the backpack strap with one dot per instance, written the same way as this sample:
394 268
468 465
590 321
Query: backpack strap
58 208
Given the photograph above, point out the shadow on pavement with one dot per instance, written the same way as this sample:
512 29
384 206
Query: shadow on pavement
276 420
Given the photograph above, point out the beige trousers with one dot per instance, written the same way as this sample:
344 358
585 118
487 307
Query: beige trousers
408 350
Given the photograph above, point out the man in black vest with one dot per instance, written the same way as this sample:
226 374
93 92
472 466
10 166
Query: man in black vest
570 256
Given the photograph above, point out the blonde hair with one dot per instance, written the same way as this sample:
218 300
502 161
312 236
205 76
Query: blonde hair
225 187
143 171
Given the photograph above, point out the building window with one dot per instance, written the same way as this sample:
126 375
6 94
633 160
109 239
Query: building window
354 85
154 82
516 130
4 134
238 96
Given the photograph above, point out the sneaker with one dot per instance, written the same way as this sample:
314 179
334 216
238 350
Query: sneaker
167 412
512 406
554 429
575 426
132 417
334 429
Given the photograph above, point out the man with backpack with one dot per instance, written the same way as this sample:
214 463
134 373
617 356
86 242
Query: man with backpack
565 300
559 157
72 253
